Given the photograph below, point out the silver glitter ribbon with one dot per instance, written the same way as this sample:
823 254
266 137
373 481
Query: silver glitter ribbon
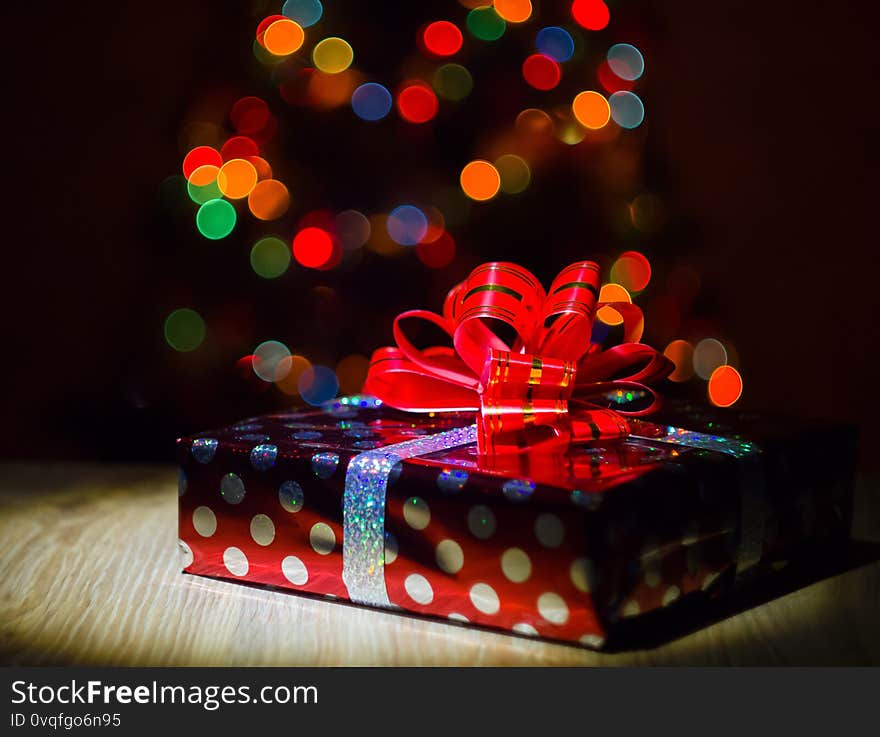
366 482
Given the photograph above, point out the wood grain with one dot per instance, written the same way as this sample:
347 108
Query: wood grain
90 574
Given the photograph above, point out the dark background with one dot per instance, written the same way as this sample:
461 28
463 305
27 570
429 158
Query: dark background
761 123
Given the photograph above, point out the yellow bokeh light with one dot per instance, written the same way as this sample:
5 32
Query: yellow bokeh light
236 178
332 55
612 293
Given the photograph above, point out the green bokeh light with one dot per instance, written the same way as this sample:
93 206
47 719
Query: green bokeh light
201 194
453 82
184 330
270 257
215 219
486 24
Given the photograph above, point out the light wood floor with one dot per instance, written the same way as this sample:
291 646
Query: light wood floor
89 574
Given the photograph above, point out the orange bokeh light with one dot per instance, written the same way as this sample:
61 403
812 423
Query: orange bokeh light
269 200
291 368
725 386
236 178
681 353
480 180
264 170
591 110
351 372
514 11
283 37
612 293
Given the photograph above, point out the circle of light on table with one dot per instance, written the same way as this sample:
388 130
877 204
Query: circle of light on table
485 24
417 103
555 42
332 55
627 109
184 330
591 110
371 101
442 38
270 257
268 200
216 219
452 82
480 180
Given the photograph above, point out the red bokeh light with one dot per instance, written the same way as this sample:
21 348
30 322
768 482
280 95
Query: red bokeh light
610 81
264 24
591 14
239 147
200 156
437 253
417 103
312 247
249 115
541 72
442 38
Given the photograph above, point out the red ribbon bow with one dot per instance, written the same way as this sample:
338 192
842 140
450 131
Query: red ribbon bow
533 393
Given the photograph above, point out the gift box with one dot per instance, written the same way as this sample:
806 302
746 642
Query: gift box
361 502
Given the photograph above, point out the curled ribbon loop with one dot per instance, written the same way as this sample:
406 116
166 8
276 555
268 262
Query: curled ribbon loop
535 390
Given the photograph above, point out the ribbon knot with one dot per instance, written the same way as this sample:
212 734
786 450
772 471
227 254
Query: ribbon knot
531 391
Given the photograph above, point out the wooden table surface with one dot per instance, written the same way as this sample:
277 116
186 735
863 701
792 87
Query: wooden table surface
90 574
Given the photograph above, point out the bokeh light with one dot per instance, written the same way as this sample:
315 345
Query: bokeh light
632 271
352 229
609 80
591 14
406 225
627 109
541 72
626 61
417 103
555 42
332 55
318 384
647 213
304 12
371 101
452 82
292 367
201 156
328 91
239 147
283 37
725 386
709 354
261 32
591 109
681 353
236 178
442 38
249 115
514 172
264 170
532 121
270 257
436 224
480 180
485 24
351 372
514 11
437 253
268 200
216 219
202 184
566 127
268 360
612 293
184 330
312 247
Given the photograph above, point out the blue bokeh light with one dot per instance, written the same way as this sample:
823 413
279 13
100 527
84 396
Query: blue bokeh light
371 101
555 42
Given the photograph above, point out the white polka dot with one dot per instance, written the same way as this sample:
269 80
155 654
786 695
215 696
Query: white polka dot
592 640
481 521
458 617
549 530
631 609
516 565
581 573
262 530
671 594
294 570
484 598
204 521
553 608
236 562
186 554
416 513
419 589
450 556
709 579
391 548
524 629
322 539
